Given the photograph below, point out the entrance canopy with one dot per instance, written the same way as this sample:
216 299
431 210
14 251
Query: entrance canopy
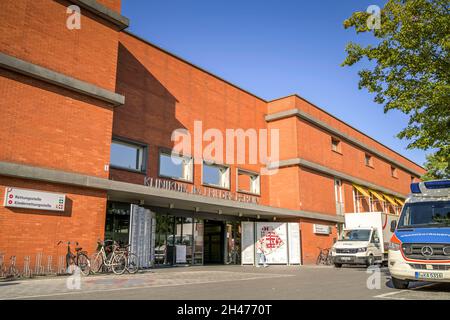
143 195
135 193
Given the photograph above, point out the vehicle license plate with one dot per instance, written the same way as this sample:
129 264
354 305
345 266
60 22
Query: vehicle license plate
429 275
346 258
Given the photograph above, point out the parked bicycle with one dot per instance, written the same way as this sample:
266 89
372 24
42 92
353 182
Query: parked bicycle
234 256
324 257
12 271
80 259
109 257
132 259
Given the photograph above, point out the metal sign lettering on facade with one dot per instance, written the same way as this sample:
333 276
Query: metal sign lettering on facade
195 190
31 199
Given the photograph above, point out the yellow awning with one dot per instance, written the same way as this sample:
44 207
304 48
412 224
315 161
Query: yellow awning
361 190
376 194
390 199
400 201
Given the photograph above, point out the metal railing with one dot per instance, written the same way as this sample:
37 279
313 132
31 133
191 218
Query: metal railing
30 266
41 264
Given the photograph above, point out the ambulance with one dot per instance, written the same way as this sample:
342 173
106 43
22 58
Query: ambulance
420 247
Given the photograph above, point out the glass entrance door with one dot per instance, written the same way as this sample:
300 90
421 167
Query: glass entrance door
164 240
213 242
184 240
174 240
233 243
198 241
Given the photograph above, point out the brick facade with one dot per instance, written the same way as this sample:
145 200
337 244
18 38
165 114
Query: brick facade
46 126
25 232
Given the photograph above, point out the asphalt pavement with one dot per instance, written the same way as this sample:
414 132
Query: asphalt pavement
226 283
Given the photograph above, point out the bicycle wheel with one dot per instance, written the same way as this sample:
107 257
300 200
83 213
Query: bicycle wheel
97 264
326 257
84 264
10 273
119 263
13 272
132 263
319 259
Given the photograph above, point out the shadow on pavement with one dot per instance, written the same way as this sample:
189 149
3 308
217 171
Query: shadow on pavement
424 286
6 284
432 287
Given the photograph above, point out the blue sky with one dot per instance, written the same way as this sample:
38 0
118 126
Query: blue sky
273 49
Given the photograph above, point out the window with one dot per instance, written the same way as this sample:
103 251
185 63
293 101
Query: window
361 199
175 166
128 155
430 214
248 182
336 145
375 238
117 226
413 179
356 235
339 197
184 239
394 172
368 160
216 175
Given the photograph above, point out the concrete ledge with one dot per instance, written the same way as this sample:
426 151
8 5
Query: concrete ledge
137 192
326 127
282 115
104 12
59 79
334 173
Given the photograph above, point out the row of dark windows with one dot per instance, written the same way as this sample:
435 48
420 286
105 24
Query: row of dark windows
336 146
133 157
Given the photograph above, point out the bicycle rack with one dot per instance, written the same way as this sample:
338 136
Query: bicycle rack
26 267
39 269
37 264
12 271
49 264
61 265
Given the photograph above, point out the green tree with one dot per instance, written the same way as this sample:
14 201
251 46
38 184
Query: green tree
410 70
437 168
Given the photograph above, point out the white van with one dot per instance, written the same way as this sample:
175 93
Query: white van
364 240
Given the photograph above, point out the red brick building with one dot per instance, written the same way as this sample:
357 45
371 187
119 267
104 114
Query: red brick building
89 113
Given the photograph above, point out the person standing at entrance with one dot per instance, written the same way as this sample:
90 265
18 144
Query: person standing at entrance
261 254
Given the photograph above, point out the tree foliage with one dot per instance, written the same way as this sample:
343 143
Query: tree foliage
437 168
411 68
